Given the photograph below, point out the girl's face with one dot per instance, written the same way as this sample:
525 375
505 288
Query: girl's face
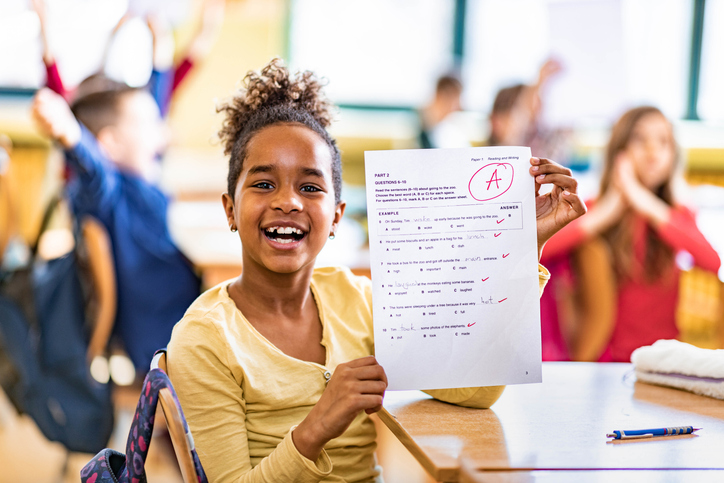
651 149
284 204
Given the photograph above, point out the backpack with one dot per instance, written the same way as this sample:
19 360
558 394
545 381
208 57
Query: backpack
43 342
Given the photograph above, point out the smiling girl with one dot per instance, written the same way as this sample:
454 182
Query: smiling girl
275 369
630 238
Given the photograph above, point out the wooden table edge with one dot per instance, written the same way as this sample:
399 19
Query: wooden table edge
447 474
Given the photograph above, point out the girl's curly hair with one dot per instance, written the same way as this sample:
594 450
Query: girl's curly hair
270 97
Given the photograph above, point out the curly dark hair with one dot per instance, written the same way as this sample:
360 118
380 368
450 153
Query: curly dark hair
270 97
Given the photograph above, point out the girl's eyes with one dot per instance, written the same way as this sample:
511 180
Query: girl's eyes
267 186
263 185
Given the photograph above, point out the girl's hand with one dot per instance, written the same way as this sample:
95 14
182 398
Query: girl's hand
53 117
641 199
624 177
358 385
609 209
559 207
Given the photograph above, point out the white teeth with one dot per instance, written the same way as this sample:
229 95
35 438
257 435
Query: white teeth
288 230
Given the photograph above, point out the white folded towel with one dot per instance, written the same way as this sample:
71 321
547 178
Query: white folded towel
680 365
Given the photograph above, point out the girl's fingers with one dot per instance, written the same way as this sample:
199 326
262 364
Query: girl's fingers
575 202
369 402
362 361
546 171
560 180
371 387
370 373
550 167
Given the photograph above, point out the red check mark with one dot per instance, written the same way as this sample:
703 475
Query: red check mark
485 279
503 300
505 254
496 235
471 324
500 221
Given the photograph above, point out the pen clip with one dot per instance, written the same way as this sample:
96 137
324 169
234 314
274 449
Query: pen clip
636 436
630 436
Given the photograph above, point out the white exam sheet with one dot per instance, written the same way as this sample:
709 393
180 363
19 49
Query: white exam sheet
454 262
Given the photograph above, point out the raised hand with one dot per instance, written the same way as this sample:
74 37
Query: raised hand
562 205
53 117
358 385
163 43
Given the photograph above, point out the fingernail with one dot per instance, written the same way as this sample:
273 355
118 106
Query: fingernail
535 168
566 193
541 176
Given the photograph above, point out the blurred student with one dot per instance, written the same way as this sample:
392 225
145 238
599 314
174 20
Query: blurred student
274 368
165 75
626 247
515 119
111 140
436 131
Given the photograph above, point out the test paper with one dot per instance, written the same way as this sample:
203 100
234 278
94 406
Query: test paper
453 255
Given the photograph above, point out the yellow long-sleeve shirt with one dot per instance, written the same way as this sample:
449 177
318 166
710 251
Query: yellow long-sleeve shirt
242 396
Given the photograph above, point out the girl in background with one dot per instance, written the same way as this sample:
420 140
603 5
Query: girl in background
275 369
625 249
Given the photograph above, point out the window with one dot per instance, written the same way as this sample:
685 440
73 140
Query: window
375 52
615 53
711 94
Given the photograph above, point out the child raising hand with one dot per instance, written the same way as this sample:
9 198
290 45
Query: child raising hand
275 369
111 139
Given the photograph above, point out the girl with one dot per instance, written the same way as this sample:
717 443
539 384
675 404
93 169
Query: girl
632 234
274 369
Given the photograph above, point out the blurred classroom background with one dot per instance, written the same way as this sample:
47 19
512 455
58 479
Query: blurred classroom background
382 59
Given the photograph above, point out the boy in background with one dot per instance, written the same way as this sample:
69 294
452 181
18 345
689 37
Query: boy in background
434 131
112 138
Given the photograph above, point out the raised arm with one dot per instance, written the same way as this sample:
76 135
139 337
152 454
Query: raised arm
97 175
212 17
53 80
160 85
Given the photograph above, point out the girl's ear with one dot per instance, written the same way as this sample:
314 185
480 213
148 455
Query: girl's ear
338 212
229 210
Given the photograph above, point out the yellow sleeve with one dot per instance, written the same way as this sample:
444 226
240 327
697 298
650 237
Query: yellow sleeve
215 409
482 397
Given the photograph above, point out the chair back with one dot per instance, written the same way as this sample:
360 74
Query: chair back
183 442
103 278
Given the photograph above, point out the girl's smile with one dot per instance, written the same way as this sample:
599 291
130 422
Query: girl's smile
287 234
284 203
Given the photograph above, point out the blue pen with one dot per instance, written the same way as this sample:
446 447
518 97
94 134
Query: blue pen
650 433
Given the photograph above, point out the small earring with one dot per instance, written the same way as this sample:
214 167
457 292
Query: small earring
331 236
233 229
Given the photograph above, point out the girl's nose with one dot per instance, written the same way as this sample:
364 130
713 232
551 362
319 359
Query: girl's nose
287 200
